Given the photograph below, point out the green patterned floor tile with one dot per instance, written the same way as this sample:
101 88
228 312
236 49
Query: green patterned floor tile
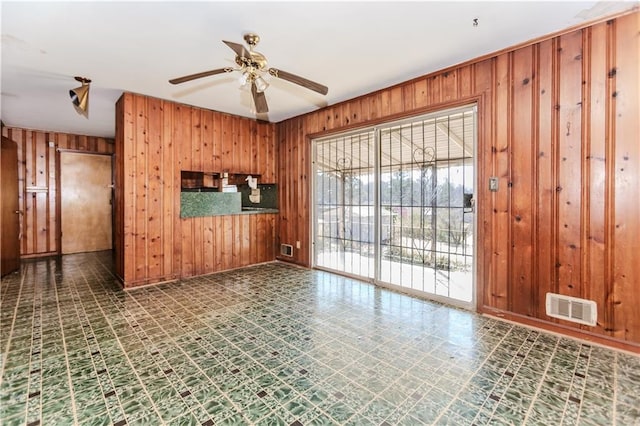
185 420
132 407
169 409
272 419
18 420
298 407
95 419
218 408
57 412
89 409
257 410
233 420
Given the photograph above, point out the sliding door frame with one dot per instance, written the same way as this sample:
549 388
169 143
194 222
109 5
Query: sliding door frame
377 128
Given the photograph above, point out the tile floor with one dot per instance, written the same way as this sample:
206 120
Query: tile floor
279 345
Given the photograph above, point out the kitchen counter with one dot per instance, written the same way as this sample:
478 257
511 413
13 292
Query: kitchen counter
257 210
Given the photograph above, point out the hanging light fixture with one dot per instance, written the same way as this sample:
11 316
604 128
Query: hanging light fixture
243 79
261 84
80 96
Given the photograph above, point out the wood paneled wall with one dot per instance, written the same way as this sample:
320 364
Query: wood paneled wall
559 126
38 179
155 140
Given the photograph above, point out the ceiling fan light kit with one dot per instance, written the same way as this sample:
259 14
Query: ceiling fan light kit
253 66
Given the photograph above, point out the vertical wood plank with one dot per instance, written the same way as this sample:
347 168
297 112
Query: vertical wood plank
365 108
246 256
235 152
626 244
355 113
498 293
170 192
434 83
449 86
253 148
187 248
595 283
129 188
141 185
118 223
408 101
522 185
545 175
464 81
218 246
570 165
484 77
41 198
52 202
217 143
155 172
197 224
226 143
260 244
30 197
420 96
303 194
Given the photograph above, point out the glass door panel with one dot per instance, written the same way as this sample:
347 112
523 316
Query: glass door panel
344 204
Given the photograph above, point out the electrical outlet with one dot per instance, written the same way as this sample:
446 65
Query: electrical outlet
298 245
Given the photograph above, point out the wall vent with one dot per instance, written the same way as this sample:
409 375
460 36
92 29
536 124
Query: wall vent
573 309
286 250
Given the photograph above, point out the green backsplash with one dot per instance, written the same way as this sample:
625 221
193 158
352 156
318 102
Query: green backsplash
195 204
268 196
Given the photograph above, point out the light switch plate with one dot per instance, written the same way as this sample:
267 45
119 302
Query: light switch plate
493 184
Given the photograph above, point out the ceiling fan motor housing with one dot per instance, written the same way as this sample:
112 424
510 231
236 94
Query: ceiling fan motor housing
256 60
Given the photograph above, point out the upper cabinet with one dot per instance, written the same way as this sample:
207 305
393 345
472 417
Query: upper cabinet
207 181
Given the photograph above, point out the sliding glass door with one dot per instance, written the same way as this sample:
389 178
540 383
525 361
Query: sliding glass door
395 204
345 210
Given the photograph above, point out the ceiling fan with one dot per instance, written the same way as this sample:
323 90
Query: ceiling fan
253 66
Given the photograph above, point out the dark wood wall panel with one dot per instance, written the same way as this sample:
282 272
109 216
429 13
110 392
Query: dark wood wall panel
558 125
569 165
596 103
499 294
545 178
625 186
155 140
522 161
119 194
38 178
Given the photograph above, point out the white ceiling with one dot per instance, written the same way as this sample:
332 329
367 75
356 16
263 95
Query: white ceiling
352 47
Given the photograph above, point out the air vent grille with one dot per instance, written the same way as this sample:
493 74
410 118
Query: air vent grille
569 308
286 250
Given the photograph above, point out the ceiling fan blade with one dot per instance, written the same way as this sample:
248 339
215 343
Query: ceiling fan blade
199 75
259 99
316 87
238 48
